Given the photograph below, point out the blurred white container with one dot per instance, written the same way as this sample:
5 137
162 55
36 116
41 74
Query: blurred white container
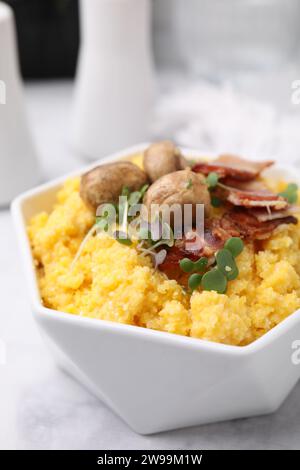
18 167
114 90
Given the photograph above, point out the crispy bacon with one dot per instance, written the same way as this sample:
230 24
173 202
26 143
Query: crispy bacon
233 167
249 227
263 215
251 199
251 194
238 184
189 247
252 212
255 186
234 223
171 267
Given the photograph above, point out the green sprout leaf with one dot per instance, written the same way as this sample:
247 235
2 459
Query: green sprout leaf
134 198
194 281
125 191
143 190
122 238
201 264
167 235
226 264
186 265
124 241
102 223
212 180
290 193
144 234
189 184
215 201
214 280
235 245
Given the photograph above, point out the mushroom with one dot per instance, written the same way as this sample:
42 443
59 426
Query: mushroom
181 187
162 158
104 183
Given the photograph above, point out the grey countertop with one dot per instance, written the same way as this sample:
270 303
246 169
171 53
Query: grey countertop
41 407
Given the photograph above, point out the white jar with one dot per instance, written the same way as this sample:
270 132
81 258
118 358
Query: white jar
114 90
18 166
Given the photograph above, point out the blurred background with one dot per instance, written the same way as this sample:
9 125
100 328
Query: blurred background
224 72
214 39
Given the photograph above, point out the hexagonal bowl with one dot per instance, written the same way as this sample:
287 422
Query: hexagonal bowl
157 381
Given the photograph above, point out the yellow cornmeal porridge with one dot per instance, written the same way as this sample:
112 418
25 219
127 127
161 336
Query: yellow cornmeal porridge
114 282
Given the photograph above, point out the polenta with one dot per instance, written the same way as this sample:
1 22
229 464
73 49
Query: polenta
114 282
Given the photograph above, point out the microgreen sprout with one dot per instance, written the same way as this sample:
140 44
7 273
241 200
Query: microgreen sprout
102 223
144 234
134 198
127 201
216 201
235 245
82 246
125 191
290 193
212 180
223 270
167 237
122 238
189 266
194 281
226 264
186 265
143 190
189 184
214 280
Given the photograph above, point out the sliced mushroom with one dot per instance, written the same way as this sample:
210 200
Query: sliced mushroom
178 188
162 158
105 182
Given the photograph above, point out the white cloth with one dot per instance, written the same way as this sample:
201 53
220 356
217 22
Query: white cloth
219 119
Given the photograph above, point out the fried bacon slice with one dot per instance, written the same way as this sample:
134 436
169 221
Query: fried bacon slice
254 199
264 215
233 167
239 185
251 194
248 226
192 247
170 265
254 186
234 223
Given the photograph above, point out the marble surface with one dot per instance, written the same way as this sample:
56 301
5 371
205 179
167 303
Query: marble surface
43 408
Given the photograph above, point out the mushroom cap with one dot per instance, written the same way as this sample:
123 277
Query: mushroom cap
181 187
104 183
162 158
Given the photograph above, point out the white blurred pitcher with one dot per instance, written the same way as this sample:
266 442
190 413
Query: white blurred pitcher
18 167
114 89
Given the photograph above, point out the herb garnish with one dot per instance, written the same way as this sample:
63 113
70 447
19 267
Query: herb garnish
290 193
223 270
235 245
194 281
189 184
189 266
214 280
215 201
212 180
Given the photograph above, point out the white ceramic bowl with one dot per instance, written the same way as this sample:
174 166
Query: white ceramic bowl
157 381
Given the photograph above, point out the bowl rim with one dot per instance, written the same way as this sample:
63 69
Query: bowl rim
130 330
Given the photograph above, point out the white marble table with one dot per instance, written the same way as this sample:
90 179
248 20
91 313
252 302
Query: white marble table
40 406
